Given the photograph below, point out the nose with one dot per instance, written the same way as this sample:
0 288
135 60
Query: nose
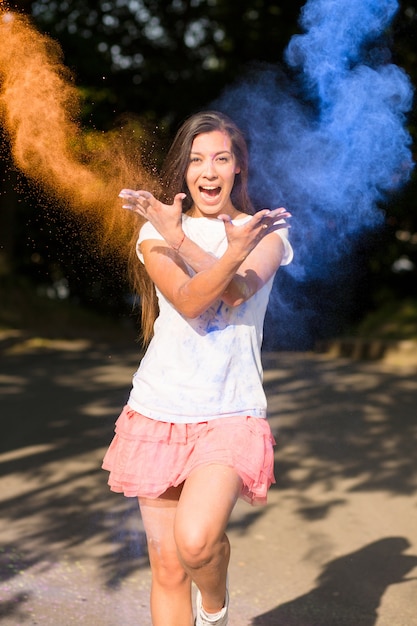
209 169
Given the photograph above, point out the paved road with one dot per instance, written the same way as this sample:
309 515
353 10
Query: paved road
336 546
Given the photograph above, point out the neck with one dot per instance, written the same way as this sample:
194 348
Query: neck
231 211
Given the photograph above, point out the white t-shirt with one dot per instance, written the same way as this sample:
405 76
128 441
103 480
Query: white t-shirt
195 370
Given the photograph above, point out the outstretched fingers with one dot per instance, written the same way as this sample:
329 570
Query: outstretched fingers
271 220
262 223
138 201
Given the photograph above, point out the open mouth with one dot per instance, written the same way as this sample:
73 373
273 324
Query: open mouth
212 192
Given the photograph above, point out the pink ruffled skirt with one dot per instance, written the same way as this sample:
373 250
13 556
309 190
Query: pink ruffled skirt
147 456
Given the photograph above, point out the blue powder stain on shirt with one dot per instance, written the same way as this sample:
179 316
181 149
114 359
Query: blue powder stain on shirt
217 319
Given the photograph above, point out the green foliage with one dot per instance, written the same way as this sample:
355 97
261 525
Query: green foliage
161 60
395 320
29 308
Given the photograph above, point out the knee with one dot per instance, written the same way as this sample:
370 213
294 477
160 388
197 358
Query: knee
195 549
167 570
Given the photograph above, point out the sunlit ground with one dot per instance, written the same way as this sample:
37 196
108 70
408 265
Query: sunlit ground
330 549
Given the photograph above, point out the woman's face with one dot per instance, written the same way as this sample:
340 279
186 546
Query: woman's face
211 174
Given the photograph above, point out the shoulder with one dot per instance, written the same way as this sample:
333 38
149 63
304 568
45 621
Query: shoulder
147 231
288 254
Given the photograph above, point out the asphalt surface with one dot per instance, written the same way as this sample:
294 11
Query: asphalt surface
336 545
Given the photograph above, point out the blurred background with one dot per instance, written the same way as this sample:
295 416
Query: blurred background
161 60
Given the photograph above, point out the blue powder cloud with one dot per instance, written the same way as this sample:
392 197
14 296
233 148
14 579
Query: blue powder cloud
327 136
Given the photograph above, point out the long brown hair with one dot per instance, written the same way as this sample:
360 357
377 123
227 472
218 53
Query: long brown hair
172 181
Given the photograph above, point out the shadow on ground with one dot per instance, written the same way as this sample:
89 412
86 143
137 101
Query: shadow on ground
349 590
58 404
354 420
336 422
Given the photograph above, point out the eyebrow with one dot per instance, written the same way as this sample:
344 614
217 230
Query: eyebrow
215 153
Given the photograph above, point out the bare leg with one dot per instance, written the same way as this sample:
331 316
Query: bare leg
171 586
206 502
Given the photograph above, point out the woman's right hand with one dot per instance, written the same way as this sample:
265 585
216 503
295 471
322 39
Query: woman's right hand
166 218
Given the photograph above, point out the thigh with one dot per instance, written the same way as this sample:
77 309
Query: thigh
158 517
207 499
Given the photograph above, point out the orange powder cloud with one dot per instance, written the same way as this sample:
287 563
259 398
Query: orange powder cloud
39 106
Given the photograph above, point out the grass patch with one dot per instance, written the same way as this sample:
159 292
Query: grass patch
393 321
23 308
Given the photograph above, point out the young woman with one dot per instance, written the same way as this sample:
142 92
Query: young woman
193 437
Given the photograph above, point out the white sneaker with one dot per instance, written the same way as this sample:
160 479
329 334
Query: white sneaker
202 620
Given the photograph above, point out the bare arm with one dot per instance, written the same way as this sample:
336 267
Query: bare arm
259 251
252 257
192 295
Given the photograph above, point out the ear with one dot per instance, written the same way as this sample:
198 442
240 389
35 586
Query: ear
237 170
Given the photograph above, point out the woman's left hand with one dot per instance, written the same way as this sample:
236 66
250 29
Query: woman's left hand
252 232
166 218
